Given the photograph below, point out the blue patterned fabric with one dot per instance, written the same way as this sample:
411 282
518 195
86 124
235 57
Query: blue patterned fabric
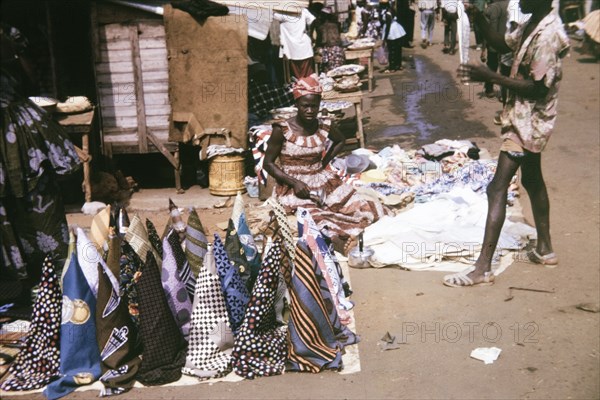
234 290
79 354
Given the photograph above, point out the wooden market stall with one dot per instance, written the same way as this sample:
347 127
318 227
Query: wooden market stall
161 78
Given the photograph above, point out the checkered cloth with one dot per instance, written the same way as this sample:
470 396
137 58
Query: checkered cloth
262 98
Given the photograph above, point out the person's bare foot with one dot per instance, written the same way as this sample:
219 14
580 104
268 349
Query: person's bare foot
351 243
343 246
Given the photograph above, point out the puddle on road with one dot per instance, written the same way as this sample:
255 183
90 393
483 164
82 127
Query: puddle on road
416 123
434 108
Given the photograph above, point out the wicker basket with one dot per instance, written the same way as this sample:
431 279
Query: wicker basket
226 175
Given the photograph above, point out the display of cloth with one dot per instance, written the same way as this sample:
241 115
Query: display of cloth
311 339
195 242
183 266
238 216
153 237
326 261
131 272
164 346
237 255
174 288
211 337
234 289
449 227
137 237
39 362
79 354
260 347
116 334
343 212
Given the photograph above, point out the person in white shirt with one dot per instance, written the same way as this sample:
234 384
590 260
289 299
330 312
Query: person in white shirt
296 45
427 9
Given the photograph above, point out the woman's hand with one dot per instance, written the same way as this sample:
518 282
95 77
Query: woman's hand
474 73
301 189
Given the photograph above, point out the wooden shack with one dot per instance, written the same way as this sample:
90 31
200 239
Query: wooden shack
152 82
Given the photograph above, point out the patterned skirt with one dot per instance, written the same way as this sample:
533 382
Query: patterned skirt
33 148
343 211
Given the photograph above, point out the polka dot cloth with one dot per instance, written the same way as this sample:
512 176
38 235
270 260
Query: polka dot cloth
234 290
38 363
260 345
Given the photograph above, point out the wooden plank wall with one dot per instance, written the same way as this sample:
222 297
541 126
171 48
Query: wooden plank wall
132 65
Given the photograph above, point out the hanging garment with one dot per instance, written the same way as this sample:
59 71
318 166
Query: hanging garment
38 363
164 347
234 290
211 338
79 355
260 344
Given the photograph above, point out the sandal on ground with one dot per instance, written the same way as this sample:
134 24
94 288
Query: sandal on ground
549 260
461 279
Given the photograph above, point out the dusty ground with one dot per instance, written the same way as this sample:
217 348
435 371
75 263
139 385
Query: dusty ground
550 349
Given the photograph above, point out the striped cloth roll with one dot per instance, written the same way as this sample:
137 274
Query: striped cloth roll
312 343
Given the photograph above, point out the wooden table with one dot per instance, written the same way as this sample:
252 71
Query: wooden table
81 124
356 99
362 53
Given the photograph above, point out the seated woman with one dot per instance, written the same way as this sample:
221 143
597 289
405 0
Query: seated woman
300 143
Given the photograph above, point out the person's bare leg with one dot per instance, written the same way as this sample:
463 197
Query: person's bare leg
533 182
496 193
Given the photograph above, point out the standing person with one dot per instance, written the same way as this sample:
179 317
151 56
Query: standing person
295 42
329 41
527 123
449 17
497 15
34 149
479 39
427 9
392 36
371 22
358 14
301 145
406 16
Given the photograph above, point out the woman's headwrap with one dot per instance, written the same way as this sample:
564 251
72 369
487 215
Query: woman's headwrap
307 85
